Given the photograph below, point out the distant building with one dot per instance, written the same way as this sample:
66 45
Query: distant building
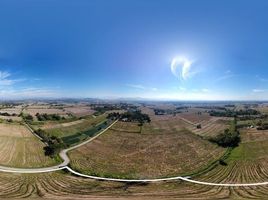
125 119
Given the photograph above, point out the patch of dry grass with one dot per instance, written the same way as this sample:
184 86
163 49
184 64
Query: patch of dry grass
129 154
19 148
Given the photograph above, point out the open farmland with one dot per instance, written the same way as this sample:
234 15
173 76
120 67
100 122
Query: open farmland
19 148
246 163
195 116
64 186
56 124
127 153
210 126
15 118
16 110
79 111
77 131
42 110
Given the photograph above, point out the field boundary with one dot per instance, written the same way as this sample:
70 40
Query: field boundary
64 166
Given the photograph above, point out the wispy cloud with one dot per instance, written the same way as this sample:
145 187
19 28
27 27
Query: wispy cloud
195 90
182 88
141 87
226 75
5 79
10 89
27 93
181 67
261 79
258 90
205 90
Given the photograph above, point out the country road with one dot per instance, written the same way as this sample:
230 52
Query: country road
66 161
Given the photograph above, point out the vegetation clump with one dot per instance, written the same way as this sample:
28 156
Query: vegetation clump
104 108
26 117
229 138
130 116
50 117
261 125
8 114
54 144
234 113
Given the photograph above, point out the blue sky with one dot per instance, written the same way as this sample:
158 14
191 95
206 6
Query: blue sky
162 49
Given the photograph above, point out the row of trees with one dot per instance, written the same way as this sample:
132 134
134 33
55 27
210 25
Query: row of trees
104 108
234 113
130 116
40 117
8 114
46 117
158 111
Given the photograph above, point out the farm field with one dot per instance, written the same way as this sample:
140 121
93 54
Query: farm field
170 145
18 119
246 163
16 110
65 186
19 148
42 110
55 124
125 152
210 126
79 111
77 131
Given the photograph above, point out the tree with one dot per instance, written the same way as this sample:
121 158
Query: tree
28 117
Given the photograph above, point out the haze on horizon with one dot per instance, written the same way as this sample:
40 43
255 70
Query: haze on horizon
164 49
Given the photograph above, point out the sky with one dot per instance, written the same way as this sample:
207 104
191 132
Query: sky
153 49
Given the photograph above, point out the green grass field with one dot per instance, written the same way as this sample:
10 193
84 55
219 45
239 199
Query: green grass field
76 133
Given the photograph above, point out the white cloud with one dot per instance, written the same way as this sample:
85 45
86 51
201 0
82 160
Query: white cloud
136 86
226 75
6 81
141 87
261 79
27 93
205 90
258 90
10 90
182 88
181 67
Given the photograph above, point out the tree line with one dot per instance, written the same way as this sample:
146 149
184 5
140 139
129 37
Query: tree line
130 116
